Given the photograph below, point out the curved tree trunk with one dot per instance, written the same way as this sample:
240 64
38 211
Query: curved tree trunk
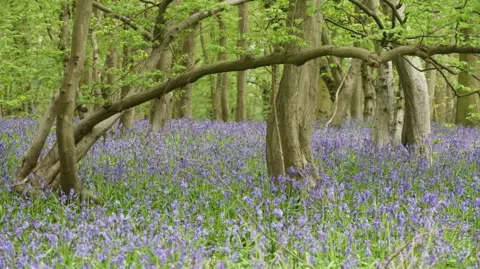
295 103
242 75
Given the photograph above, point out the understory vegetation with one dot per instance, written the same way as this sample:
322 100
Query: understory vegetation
196 195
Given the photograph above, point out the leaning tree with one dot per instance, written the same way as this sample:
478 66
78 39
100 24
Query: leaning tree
291 123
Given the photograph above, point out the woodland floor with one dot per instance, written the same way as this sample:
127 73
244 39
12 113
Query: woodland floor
196 196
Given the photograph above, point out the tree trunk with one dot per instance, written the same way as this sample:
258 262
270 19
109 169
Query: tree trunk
345 93
397 128
162 107
64 31
468 104
441 101
294 109
324 101
356 103
385 103
431 75
96 68
221 94
242 75
417 110
189 45
369 93
66 102
128 116
216 106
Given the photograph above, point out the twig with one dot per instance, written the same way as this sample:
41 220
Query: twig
346 28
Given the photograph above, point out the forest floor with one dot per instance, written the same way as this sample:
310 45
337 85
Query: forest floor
196 195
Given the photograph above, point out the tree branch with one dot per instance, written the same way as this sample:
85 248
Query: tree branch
370 13
345 27
124 19
394 11
372 59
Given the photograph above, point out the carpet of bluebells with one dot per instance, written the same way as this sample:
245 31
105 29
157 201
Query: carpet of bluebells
196 195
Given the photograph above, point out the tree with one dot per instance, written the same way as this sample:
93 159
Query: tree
294 105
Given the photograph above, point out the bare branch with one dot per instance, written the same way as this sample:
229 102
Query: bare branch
124 19
149 2
345 27
370 13
395 12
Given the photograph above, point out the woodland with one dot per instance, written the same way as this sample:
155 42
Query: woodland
240 134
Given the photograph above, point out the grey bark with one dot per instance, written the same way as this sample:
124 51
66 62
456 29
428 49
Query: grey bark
356 103
242 75
368 93
385 102
417 109
431 75
222 79
344 94
162 107
397 128
296 102
66 102
468 104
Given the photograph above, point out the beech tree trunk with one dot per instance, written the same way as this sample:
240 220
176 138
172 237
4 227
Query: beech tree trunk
382 127
66 102
128 116
356 103
431 75
242 75
399 116
222 78
345 93
324 101
441 100
368 92
185 98
468 104
295 105
162 107
417 110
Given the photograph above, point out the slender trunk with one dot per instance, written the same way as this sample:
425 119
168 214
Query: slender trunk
431 76
242 75
417 109
162 107
441 101
222 78
274 150
189 46
64 31
385 102
96 69
129 115
216 105
397 128
369 93
295 103
468 104
66 102
344 94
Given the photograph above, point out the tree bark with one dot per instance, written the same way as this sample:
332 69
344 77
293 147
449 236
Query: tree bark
324 101
397 128
369 93
417 110
242 75
128 116
162 106
295 104
431 76
66 102
344 94
468 104
441 101
222 79
356 103
189 46
385 103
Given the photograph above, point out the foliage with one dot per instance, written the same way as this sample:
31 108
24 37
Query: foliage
195 195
